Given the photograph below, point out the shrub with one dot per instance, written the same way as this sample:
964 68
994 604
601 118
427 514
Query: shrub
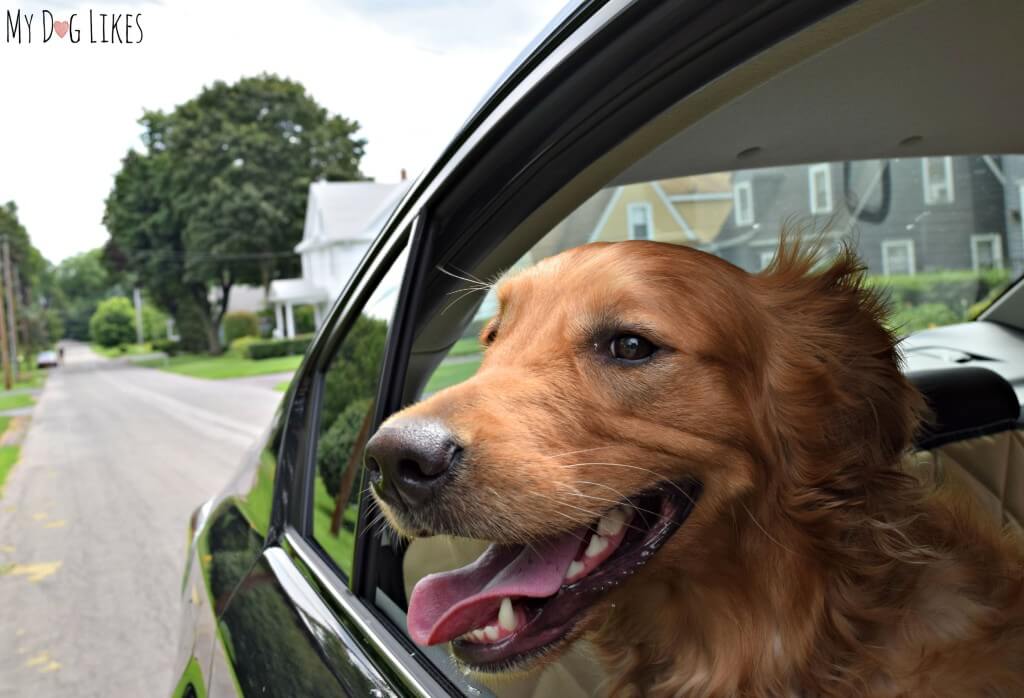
305 320
920 317
154 323
113 323
335 446
167 346
240 324
240 347
269 348
356 368
957 290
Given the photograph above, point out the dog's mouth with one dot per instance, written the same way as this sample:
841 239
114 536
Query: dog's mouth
516 601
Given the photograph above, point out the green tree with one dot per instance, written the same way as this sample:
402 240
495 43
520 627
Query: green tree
35 291
113 323
82 281
218 195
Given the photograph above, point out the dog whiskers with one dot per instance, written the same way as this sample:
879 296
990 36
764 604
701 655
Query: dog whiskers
659 476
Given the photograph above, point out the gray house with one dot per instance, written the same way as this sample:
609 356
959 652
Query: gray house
906 216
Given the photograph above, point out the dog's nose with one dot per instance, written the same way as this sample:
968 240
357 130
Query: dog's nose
411 458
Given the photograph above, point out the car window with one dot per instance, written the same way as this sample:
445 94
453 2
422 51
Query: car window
346 412
936 233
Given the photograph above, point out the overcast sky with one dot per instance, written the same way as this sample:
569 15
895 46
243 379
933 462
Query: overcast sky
410 71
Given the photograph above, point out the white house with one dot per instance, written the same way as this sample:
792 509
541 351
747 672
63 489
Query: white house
342 219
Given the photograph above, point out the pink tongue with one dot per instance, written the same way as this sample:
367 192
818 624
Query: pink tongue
448 604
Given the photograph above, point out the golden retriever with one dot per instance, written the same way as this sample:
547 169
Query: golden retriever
698 468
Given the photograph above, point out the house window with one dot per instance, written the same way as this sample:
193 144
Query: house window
641 225
819 181
986 252
743 202
937 174
898 257
767 257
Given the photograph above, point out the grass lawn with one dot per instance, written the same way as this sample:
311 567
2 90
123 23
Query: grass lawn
27 379
8 454
10 402
342 546
114 352
465 346
450 374
218 367
282 386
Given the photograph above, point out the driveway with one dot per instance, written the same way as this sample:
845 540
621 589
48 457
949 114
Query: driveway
93 522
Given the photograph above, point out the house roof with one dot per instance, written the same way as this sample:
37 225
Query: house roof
343 212
299 291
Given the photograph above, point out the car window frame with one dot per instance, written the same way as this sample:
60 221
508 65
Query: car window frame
450 218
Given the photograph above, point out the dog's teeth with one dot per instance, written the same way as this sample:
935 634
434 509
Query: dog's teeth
612 522
596 546
575 567
491 632
506 616
478 634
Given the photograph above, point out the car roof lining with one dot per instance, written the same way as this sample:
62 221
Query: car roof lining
794 87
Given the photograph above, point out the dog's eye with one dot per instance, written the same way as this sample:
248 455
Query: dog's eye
629 347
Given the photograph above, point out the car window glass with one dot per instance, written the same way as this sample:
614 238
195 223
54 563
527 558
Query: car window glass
346 412
935 232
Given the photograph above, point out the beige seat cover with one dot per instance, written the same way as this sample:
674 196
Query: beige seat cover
992 467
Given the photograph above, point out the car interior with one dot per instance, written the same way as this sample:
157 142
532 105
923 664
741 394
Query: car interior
890 80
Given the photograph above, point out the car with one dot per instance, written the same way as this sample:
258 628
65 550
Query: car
889 126
47 359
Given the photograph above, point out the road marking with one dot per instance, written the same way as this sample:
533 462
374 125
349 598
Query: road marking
40 516
40 658
35 572
52 666
6 548
59 523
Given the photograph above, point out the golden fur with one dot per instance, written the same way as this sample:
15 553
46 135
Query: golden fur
812 565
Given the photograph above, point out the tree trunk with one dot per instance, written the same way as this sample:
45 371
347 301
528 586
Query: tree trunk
351 468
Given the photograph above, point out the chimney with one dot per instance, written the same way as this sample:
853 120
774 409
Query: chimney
403 175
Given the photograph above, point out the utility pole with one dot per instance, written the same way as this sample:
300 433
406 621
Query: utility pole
3 343
137 297
12 335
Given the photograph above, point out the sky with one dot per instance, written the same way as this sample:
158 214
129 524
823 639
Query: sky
409 71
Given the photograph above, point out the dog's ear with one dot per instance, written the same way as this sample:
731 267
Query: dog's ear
832 385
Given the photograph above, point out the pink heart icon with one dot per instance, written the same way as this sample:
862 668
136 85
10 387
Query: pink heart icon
61 28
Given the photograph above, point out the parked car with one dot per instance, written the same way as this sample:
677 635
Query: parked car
700 123
47 359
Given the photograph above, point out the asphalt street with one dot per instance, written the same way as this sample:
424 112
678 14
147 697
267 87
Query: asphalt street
93 522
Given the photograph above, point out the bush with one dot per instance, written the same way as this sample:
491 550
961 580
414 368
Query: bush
167 346
240 346
269 348
305 320
154 323
113 323
920 317
240 324
957 290
335 446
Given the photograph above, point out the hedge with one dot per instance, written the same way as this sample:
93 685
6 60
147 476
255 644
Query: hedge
240 324
269 348
167 346
336 445
934 299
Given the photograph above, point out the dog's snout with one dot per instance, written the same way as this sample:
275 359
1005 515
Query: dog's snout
410 458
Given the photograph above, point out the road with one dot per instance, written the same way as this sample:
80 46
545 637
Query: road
93 522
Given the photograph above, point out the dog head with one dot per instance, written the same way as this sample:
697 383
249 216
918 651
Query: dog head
631 397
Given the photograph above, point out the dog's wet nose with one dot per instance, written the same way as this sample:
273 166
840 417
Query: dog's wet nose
411 458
